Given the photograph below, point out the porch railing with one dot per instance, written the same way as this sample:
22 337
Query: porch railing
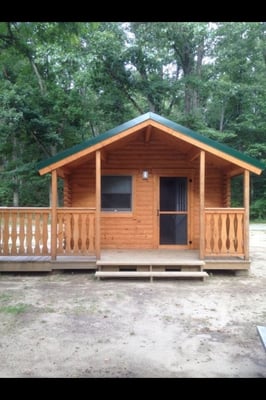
224 232
75 231
24 231
27 231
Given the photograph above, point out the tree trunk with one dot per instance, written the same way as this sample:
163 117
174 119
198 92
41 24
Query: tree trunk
53 153
221 125
15 194
188 100
15 177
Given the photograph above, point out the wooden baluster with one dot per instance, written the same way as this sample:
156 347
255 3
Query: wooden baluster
227 224
223 248
231 234
68 235
75 232
29 234
14 234
37 251
21 250
208 229
87 242
60 234
83 234
45 234
6 234
91 234
216 233
239 234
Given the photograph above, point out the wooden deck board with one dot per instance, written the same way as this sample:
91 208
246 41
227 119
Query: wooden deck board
151 274
22 259
165 257
44 263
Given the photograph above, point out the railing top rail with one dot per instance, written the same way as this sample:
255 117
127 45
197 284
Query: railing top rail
47 208
225 209
25 209
76 208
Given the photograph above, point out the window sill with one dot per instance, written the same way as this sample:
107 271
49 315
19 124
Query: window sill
117 214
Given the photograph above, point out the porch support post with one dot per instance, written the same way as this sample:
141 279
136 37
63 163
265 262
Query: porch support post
246 196
54 215
98 206
202 204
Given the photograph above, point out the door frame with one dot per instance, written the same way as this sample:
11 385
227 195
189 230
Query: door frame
181 173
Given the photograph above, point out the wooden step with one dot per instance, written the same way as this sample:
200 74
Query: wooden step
151 274
192 263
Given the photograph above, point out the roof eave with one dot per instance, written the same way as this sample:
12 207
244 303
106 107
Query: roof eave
176 130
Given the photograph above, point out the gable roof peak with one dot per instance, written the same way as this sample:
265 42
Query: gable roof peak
130 126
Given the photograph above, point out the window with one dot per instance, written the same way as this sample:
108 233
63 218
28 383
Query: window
116 193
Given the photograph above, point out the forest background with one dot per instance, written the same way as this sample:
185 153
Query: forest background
64 82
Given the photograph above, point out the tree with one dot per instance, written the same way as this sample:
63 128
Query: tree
61 83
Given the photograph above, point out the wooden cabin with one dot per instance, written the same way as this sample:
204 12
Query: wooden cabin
147 194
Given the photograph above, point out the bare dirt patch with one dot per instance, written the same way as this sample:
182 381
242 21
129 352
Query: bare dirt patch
73 325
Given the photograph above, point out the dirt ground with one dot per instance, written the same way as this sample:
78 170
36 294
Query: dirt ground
73 325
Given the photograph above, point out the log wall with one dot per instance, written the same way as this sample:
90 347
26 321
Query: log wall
139 228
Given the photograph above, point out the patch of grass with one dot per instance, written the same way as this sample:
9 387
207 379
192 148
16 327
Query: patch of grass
15 309
5 297
48 309
168 318
79 309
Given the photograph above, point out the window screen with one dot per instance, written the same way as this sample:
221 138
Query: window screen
116 193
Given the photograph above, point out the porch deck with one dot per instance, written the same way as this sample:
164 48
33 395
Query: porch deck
130 259
45 263
149 256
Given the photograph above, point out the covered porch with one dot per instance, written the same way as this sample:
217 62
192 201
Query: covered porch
27 242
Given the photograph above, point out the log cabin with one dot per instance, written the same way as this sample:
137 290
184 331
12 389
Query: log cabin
147 198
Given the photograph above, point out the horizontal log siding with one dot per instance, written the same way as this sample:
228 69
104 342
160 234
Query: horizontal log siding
67 192
139 155
82 182
139 228
214 182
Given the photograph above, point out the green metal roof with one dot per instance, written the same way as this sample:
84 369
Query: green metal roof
161 120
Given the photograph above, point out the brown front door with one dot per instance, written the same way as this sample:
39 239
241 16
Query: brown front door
173 211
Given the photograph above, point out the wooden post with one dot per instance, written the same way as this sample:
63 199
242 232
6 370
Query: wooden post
246 196
98 206
202 204
54 215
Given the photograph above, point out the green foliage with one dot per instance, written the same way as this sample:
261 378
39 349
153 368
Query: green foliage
258 209
61 83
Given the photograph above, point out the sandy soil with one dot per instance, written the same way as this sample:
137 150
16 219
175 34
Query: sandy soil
72 325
